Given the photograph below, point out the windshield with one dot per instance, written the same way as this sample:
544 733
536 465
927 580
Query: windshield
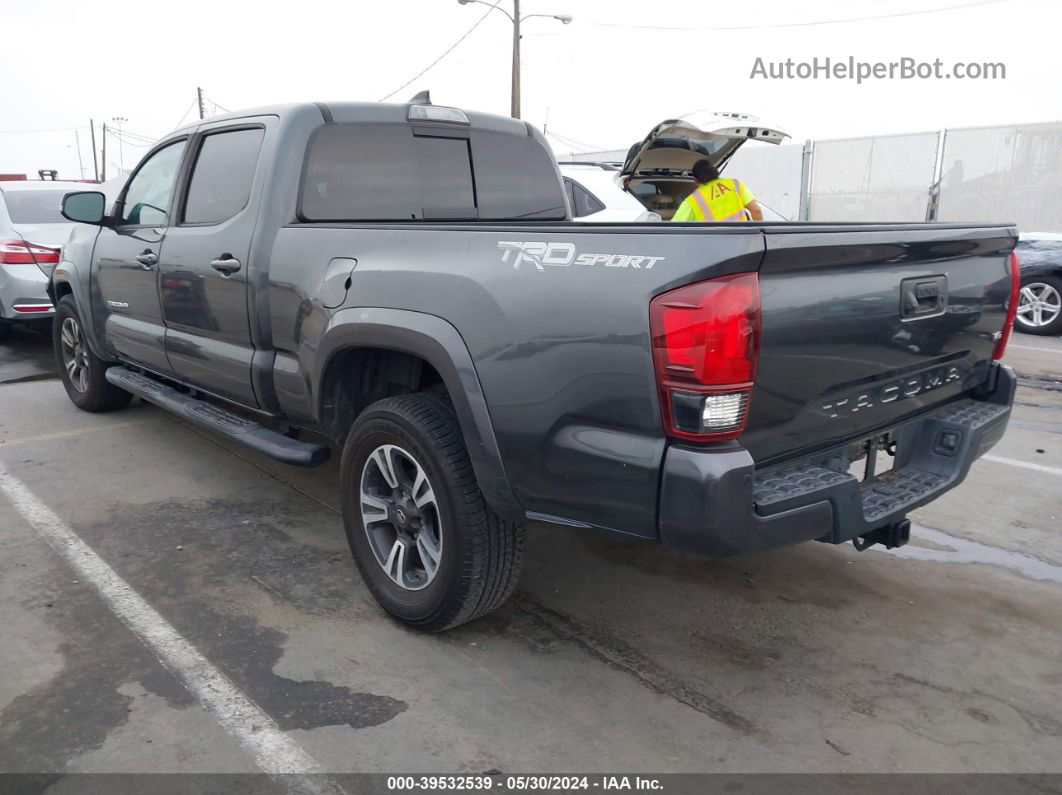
35 206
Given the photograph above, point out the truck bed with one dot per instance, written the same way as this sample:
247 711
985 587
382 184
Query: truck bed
555 317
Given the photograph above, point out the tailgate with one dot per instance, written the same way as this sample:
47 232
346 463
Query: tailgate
864 326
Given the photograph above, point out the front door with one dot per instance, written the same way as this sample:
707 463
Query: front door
205 263
126 258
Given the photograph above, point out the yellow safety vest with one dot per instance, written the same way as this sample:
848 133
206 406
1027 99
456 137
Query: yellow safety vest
719 200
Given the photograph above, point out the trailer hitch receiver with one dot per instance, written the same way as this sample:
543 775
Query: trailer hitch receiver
890 536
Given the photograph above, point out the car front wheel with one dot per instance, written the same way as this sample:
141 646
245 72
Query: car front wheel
81 371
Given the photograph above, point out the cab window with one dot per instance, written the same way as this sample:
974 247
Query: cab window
147 197
221 180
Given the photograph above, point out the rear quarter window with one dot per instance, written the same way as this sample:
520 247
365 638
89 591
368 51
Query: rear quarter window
516 178
395 172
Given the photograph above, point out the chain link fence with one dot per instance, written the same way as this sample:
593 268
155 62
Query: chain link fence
772 174
1011 173
1007 174
885 178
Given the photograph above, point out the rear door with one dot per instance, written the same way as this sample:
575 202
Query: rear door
865 326
204 265
126 257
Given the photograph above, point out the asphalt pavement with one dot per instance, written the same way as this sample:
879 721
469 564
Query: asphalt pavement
943 656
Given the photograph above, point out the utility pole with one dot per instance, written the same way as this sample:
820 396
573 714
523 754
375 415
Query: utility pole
199 93
515 111
95 162
103 176
80 163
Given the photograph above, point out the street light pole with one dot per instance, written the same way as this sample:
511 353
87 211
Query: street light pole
121 154
516 19
515 101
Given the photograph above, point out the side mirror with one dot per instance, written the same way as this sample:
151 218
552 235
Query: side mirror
85 207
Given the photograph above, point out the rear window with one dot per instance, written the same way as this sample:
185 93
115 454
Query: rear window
395 172
35 206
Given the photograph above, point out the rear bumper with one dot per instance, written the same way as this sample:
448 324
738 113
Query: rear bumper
719 503
27 313
24 295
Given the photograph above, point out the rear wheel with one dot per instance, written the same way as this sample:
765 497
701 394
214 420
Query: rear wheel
432 552
81 371
1040 306
5 331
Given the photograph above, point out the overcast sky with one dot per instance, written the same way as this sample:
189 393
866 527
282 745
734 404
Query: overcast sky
602 81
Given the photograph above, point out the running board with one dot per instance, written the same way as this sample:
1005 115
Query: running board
214 418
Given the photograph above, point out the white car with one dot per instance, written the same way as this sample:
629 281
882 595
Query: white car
659 169
32 232
615 204
596 194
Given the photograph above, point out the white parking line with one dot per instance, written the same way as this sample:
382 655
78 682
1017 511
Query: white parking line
273 751
1023 464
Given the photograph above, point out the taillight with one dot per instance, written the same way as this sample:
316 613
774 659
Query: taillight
706 339
1014 270
19 252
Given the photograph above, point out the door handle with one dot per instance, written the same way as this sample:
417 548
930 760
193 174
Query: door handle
225 264
147 258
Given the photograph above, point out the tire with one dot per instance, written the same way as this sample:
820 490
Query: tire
1040 306
478 553
5 331
81 371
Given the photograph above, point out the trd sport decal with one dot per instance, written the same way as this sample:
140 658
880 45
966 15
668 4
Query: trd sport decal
561 255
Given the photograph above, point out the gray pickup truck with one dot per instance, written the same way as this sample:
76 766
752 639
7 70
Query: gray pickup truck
403 283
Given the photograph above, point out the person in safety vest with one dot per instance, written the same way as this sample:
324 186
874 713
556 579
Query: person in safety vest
717 199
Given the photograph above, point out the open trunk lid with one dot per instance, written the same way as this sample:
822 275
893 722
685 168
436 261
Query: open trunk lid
864 326
673 146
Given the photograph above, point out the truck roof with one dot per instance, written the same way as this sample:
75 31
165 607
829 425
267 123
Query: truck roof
348 112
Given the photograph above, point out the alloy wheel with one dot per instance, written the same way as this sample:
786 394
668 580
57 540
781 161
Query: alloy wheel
1039 304
401 517
75 354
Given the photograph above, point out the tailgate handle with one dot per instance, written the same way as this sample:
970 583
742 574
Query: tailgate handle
924 296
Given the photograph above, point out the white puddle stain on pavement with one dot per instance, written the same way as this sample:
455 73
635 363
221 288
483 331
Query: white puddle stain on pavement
962 550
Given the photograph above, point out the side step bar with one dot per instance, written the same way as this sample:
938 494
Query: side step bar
214 418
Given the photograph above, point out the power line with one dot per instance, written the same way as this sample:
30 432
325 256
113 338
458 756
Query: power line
185 115
131 134
134 142
449 50
132 137
217 106
795 24
145 138
53 129
570 146
576 142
